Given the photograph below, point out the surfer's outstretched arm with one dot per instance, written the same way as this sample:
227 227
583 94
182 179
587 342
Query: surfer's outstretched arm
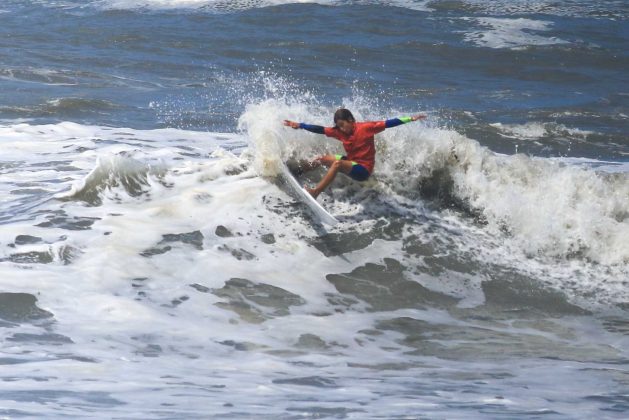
394 122
308 127
318 129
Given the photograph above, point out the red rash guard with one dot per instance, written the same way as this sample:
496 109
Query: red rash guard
359 146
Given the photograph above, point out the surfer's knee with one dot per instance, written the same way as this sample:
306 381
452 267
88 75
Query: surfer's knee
336 165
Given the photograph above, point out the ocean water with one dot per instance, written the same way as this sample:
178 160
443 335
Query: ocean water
154 266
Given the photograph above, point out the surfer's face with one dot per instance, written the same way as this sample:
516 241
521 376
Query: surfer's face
346 127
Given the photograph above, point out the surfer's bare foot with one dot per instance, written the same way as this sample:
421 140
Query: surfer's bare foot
313 192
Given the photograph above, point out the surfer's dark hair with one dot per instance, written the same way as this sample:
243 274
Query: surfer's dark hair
343 114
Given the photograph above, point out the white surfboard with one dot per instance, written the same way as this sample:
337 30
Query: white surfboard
317 209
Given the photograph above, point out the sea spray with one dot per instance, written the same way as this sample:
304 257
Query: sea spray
549 208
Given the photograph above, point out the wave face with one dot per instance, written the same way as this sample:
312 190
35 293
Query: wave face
548 207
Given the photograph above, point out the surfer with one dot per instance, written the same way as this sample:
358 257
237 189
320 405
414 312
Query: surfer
358 141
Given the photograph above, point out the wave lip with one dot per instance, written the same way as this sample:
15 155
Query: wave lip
110 173
548 207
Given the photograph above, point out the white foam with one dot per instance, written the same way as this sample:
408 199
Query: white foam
598 165
156 340
549 207
220 5
511 33
554 209
234 5
537 130
418 5
533 130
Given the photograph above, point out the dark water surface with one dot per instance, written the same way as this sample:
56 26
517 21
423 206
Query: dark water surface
472 64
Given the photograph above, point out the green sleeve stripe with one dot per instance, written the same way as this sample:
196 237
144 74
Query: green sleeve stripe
405 119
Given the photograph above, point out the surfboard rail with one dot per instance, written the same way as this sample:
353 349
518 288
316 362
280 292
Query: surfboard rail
317 209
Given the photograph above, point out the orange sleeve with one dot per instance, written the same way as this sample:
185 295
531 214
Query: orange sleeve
331 132
376 127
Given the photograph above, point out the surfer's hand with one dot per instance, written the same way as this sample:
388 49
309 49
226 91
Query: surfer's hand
418 117
291 124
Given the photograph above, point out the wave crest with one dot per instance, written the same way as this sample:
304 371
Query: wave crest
117 174
550 208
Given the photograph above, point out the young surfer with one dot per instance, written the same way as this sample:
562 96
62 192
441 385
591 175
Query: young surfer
358 141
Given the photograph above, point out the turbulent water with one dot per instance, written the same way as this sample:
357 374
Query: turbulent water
154 265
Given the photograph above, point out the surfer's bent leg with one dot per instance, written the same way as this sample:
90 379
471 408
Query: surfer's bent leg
335 166
357 171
